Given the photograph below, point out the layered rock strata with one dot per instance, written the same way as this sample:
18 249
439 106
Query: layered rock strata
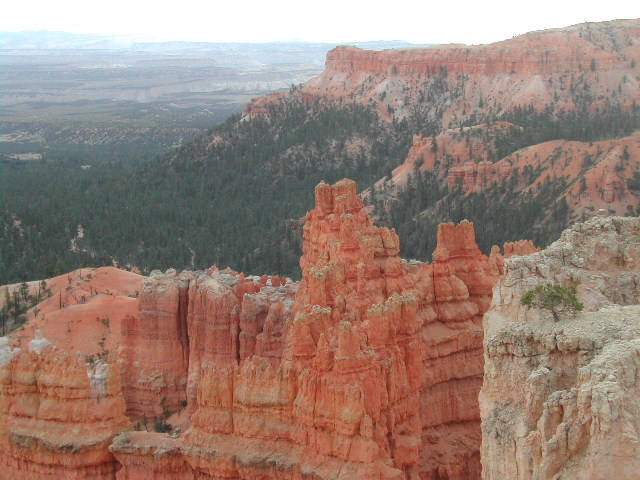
560 399
589 64
598 174
155 347
456 89
190 319
510 249
373 372
59 413
369 368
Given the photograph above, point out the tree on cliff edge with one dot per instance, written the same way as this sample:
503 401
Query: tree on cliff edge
557 299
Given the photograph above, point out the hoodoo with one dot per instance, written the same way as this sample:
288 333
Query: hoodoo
369 368
58 414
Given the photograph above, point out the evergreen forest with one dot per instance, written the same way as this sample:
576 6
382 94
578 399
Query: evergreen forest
235 195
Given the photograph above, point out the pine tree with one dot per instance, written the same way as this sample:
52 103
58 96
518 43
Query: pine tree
554 298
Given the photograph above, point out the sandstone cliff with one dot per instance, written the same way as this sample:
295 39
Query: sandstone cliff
559 399
451 84
188 320
58 413
596 174
458 103
370 367
154 352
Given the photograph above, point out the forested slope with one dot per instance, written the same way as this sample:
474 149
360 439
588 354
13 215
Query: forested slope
519 136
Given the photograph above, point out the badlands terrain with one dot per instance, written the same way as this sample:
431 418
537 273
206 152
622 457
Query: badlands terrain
346 336
370 367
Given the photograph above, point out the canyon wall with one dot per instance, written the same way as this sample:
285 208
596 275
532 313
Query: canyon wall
458 102
597 174
154 351
560 399
587 65
529 54
189 319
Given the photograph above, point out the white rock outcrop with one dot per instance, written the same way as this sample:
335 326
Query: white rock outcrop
5 351
561 400
39 342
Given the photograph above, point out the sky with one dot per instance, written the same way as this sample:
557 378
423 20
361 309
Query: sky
333 21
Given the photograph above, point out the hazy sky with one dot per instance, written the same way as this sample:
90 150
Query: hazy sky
441 21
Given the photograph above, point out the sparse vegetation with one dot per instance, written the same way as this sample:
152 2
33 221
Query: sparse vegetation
160 423
554 298
161 426
18 302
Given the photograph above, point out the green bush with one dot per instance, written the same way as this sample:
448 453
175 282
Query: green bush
557 299
159 425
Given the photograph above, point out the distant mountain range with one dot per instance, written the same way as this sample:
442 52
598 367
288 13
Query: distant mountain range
285 52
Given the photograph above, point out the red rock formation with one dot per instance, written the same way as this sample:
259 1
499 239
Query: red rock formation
525 54
477 177
231 318
188 320
550 67
146 455
462 157
374 372
369 368
597 173
154 353
587 66
519 248
58 415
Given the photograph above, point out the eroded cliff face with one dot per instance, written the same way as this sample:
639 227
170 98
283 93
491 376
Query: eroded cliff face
472 100
154 352
370 367
59 413
373 371
597 174
450 84
560 399
189 319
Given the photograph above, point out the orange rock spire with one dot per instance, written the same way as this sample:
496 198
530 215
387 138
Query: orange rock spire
376 355
370 367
